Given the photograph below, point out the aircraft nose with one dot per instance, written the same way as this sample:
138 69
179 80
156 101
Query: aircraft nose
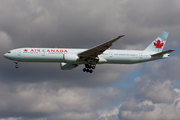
6 55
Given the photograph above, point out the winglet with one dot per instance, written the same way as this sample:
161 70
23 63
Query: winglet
121 36
111 41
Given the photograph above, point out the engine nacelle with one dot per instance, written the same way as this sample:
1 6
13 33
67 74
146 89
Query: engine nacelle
66 66
70 58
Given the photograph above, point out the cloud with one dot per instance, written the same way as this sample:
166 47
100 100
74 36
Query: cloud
11 118
40 100
43 91
5 40
146 110
154 97
152 13
59 24
154 91
108 114
165 69
157 81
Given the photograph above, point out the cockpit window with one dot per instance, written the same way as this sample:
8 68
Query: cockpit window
9 52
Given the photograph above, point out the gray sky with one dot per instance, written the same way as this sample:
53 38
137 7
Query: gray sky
41 91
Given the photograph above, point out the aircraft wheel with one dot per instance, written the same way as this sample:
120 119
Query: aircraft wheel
84 70
16 66
90 71
87 70
93 67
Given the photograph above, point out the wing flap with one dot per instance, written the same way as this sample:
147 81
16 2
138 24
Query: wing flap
162 53
95 51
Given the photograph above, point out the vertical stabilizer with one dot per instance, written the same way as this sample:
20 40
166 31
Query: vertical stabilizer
158 44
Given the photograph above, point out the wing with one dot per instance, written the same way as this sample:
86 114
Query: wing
95 51
162 53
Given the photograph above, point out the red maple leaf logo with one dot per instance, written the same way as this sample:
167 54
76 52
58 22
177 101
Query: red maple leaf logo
158 44
25 50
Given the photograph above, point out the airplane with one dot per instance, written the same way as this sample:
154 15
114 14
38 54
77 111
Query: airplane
101 54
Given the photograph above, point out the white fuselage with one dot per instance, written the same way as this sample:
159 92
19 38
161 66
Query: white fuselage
110 56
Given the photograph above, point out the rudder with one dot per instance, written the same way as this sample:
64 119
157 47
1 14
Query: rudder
158 44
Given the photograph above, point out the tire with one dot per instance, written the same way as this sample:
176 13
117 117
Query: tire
84 70
90 71
93 67
16 66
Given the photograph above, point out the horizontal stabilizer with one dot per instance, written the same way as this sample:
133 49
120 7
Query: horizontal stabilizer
162 53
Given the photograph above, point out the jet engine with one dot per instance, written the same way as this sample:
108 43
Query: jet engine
66 66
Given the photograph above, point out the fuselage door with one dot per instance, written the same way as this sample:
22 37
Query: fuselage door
140 56
19 52
110 54
43 53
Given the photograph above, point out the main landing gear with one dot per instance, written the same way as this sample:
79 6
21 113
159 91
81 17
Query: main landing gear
16 64
89 68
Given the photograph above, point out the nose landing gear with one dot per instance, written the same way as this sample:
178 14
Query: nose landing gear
16 64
